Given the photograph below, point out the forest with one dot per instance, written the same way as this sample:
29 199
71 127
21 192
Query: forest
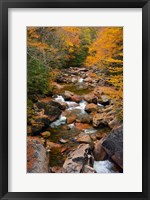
75 99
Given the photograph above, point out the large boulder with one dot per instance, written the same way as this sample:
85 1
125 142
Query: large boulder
39 124
79 158
99 152
60 105
53 112
37 159
113 145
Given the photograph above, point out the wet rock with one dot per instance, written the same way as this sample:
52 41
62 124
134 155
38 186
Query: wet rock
57 169
88 79
37 128
82 126
76 98
74 80
71 118
67 95
46 134
114 123
85 119
99 120
90 98
93 137
91 107
52 145
113 145
60 105
84 139
99 152
104 100
78 158
37 159
52 112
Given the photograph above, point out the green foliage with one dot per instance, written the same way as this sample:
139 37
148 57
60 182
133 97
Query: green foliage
38 77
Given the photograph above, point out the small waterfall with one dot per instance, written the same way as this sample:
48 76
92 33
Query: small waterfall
103 166
58 122
60 98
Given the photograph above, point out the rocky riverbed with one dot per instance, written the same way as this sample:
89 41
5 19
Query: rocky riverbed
77 129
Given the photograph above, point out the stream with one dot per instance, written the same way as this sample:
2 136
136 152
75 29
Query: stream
71 133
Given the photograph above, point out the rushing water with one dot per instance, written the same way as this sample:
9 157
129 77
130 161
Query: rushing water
80 80
99 166
104 166
58 122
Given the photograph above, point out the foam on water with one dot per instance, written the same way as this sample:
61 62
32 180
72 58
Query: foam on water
103 166
58 122
60 98
100 105
80 80
90 130
71 125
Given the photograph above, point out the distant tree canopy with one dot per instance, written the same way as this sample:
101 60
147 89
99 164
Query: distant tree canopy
63 47
60 47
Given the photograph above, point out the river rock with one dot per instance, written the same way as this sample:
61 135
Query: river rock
82 126
67 95
85 118
58 104
88 79
99 152
104 100
37 159
78 158
114 123
74 80
113 145
91 107
84 139
99 120
100 135
76 98
52 112
90 98
39 125
52 145
57 169
71 118
45 134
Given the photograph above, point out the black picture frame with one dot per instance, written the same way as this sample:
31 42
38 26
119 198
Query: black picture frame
4 6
